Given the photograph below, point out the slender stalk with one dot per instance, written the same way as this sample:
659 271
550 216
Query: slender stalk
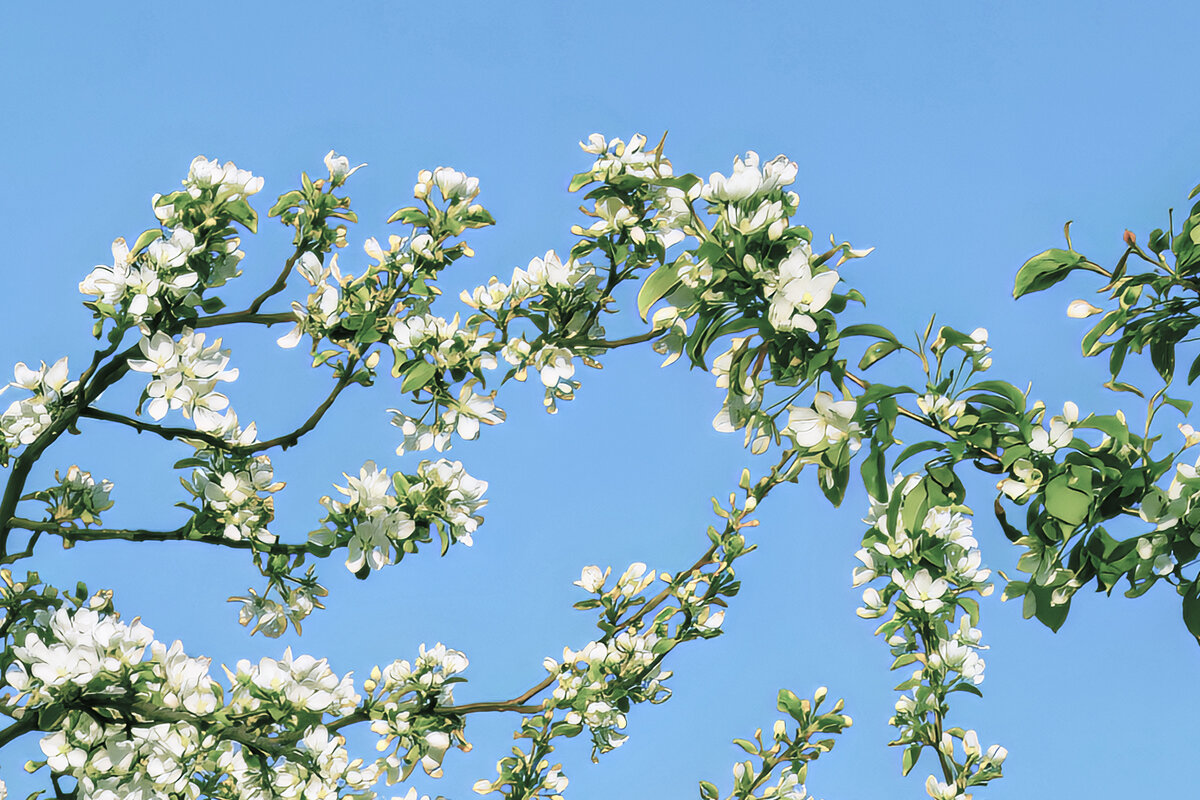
180 534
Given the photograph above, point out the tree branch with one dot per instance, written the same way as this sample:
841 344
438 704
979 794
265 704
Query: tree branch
284 442
247 316
164 431
180 534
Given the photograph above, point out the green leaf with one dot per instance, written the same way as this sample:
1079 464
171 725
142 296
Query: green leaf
746 745
912 754
874 472
790 704
240 211
1006 390
1052 616
1194 371
417 375
1046 269
1184 406
410 216
1010 531
1065 503
1091 344
657 286
919 447
580 180
1118 386
1191 608
876 352
145 239
878 391
878 331
285 201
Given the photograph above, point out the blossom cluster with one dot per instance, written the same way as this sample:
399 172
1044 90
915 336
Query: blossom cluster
24 420
932 562
379 527
80 659
235 497
566 292
593 680
451 350
76 497
185 375
137 286
401 690
172 270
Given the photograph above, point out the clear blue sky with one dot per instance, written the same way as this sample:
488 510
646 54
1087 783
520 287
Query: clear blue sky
954 137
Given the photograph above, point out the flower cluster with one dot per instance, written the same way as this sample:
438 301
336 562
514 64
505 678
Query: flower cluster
1060 434
76 497
932 560
122 676
402 690
592 682
235 498
185 374
441 347
319 314
138 286
24 420
615 158
198 251
379 528
229 182
566 293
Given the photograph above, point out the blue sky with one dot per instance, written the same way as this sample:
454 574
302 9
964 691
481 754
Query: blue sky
955 138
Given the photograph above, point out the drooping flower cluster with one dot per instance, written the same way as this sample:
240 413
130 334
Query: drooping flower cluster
24 420
444 348
235 497
403 691
185 375
378 528
932 560
319 313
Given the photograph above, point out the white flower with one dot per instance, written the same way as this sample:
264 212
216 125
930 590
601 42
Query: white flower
828 422
592 579
339 168
796 293
455 185
747 180
922 590
1060 434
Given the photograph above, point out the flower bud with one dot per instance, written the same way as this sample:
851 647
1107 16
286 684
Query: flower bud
1081 309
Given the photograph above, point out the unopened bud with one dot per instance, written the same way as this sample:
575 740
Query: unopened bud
1081 309
1129 238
